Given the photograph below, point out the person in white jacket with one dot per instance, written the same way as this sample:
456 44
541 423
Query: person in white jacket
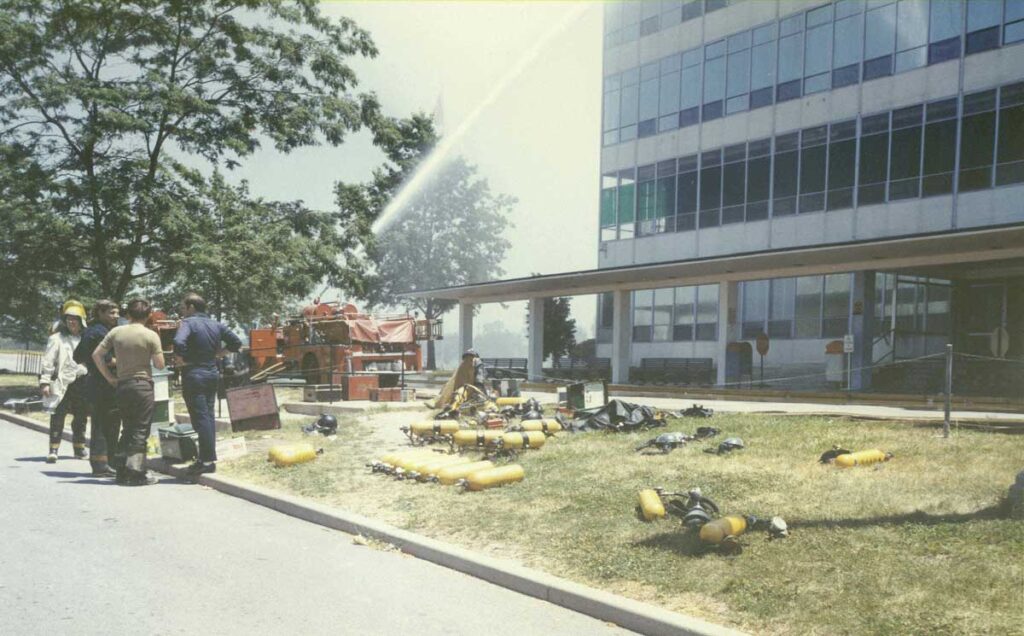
62 381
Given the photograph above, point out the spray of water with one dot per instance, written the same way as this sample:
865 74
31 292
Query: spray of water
440 153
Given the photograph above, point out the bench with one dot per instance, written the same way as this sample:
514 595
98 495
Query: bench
505 367
677 370
571 363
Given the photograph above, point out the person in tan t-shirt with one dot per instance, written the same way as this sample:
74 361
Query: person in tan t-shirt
136 349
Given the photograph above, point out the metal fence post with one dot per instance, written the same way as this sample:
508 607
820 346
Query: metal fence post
949 388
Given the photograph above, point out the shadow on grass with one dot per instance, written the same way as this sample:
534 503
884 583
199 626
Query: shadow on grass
997 511
676 542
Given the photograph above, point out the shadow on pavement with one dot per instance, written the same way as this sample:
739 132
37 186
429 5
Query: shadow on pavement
64 474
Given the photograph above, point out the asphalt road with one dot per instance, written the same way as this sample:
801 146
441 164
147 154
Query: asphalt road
84 556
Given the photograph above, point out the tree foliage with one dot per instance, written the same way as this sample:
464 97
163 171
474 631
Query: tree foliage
107 100
249 257
559 328
451 232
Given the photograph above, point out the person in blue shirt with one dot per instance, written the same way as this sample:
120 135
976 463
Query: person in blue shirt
196 345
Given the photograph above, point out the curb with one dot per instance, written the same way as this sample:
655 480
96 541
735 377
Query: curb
624 612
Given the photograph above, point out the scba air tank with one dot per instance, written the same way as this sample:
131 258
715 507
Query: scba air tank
714 532
476 438
862 458
544 426
449 475
410 461
291 454
494 477
530 439
434 427
651 506
418 465
509 401
391 458
431 469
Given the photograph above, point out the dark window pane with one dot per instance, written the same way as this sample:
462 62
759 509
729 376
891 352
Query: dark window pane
785 178
757 211
682 332
984 40
686 191
939 155
693 9
945 50
712 111
647 128
761 97
878 67
642 333
714 5
845 76
686 222
788 91
758 179
710 188
649 26
841 165
732 214
689 117
976 147
874 158
905 166
1011 145
733 182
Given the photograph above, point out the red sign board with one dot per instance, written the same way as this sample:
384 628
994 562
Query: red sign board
762 343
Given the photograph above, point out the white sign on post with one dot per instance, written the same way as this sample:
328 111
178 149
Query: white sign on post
848 343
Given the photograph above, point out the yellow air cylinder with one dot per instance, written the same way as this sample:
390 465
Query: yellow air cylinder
408 462
391 458
714 532
476 438
530 439
651 506
509 401
416 465
545 426
861 458
493 477
431 469
448 475
291 454
434 427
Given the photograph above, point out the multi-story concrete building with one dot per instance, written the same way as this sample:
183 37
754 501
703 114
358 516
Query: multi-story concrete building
764 126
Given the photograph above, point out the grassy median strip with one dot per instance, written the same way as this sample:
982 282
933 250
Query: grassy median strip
916 545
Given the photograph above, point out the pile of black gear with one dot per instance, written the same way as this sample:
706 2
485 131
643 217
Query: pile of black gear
325 425
617 416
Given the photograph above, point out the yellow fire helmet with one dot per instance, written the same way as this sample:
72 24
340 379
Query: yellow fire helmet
74 308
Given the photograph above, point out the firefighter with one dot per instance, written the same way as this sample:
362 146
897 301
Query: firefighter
106 420
62 383
196 345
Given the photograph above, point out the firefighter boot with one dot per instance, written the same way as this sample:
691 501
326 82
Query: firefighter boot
52 457
80 452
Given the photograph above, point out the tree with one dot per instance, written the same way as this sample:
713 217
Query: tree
109 98
249 258
559 328
449 233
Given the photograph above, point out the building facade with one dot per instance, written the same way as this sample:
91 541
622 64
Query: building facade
744 127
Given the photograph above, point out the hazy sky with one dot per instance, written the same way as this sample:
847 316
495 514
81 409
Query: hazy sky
539 141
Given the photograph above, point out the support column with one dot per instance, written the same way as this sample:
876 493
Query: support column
862 326
465 327
622 332
535 357
728 326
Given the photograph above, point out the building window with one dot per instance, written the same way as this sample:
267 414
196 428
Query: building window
983 19
689 88
686 194
737 84
780 308
685 314
946 22
791 59
759 179
1013 22
627 203
762 67
714 81
754 294
663 301
629 104
607 302
710 188
707 312
905 159
1010 158
879 42
842 164
977 141
787 160
609 204
645 200
911 34
807 321
849 41
812 168
836 307
648 114
666 196
668 100
818 50
643 300
874 159
734 183
939 147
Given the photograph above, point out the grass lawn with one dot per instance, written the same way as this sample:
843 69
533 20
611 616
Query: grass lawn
917 545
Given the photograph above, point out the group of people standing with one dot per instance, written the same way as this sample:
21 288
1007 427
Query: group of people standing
105 372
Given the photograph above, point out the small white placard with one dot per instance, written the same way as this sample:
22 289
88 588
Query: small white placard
848 343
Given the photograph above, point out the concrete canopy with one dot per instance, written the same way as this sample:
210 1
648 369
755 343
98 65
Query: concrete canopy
963 248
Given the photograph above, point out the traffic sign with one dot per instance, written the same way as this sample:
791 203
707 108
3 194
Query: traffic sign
848 343
762 343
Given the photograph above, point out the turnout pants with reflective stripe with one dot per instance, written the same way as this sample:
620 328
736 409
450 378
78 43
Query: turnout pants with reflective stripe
73 402
106 425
